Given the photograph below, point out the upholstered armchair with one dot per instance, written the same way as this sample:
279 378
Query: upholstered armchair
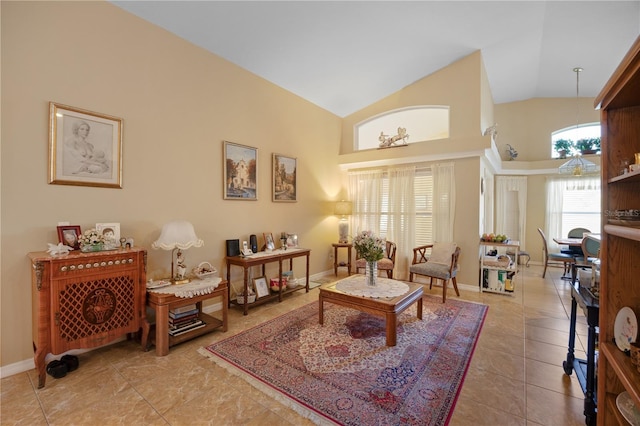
387 263
439 261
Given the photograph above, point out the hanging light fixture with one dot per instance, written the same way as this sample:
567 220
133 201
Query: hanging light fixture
578 166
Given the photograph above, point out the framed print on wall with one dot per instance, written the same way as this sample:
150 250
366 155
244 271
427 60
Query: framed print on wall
69 235
85 148
240 165
284 178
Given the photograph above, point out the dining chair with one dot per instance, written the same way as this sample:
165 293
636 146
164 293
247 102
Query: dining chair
565 258
591 251
387 263
441 264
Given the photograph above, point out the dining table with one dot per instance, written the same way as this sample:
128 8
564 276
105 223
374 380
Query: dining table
571 242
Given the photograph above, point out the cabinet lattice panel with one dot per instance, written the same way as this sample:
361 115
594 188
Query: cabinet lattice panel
92 307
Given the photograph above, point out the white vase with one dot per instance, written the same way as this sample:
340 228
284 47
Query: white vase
371 273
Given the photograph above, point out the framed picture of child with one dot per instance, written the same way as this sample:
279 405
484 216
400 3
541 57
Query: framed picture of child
85 148
110 232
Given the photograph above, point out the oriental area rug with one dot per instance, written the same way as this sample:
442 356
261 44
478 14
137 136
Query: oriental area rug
342 372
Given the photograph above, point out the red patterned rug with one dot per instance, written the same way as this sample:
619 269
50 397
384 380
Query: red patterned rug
342 372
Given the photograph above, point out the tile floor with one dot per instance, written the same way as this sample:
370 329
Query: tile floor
515 377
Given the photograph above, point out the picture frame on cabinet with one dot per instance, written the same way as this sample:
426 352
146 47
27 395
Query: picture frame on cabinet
269 243
260 286
85 147
110 232
284 185
69 235
240 171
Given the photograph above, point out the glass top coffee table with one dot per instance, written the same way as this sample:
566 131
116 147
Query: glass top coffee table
387 307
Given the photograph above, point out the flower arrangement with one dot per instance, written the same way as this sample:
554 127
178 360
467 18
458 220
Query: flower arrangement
369 246
91 237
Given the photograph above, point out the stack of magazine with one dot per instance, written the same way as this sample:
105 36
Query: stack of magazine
184 319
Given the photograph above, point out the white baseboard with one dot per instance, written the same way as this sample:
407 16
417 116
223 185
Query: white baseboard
29 364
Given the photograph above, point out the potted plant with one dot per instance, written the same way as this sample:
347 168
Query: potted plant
563 147
588 145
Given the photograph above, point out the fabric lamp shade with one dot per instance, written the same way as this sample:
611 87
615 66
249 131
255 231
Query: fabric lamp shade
177 234
343 208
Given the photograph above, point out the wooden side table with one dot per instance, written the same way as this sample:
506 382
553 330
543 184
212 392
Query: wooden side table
337 264
162 303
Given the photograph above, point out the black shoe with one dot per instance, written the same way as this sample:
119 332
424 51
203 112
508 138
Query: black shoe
71 361
57 369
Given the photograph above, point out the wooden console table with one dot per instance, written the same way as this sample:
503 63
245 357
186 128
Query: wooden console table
162 303
85 300
585 369
261 259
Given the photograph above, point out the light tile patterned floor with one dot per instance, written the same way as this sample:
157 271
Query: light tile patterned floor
515 377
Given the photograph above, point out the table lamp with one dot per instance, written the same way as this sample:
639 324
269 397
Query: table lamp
343 209
178 235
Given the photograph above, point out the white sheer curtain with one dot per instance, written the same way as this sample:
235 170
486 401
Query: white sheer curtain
444 201
555 191
365 192
402 217
504 185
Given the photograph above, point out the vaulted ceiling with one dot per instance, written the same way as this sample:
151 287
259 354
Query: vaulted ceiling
345 55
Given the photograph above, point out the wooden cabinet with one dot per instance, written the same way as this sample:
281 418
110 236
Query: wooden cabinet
497 272
619 103
85 300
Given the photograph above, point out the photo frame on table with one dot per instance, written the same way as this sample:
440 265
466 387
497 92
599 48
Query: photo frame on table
69 235
292 240
261 287
85 147
110 232
284 186
269 242
240 171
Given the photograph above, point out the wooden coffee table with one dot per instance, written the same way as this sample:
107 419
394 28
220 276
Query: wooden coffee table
387 307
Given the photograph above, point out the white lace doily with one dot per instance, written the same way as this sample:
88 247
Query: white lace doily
194 288
356 286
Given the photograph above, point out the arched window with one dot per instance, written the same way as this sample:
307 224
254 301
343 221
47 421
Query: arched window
573 134
422 123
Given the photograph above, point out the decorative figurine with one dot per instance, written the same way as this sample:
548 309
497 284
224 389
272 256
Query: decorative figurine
59 249
181 268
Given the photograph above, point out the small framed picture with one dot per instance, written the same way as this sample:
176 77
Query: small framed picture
85 147
292 240
240 172
284 178
69 235
110 232
261 287
269 244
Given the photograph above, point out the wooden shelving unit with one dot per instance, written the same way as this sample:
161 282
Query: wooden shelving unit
619 102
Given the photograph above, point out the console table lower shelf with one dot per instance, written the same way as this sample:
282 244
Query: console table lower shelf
162 303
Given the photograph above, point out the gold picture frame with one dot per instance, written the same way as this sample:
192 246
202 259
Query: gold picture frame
85 147
284 185
240 172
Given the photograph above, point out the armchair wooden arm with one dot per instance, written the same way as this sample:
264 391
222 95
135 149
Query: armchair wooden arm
420 254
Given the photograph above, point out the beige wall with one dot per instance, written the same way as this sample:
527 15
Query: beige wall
527 125
462 86
178 103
